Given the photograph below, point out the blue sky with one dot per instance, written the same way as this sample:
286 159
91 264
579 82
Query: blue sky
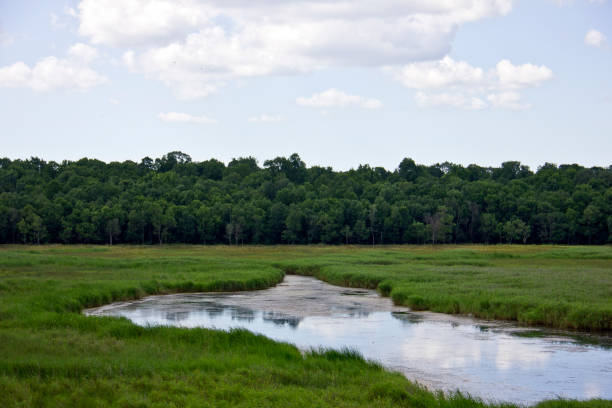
341 83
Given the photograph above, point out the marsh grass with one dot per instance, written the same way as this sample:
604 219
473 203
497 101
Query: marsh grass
560 287
53 356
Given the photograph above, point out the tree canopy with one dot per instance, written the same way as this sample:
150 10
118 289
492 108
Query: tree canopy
174 199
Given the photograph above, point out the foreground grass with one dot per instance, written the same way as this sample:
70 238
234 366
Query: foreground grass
50 355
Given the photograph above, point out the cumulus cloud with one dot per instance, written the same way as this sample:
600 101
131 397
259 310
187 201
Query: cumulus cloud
177 117
140 22
595 38
518 76
507 100
437 74
18 74
447 82
53 73
197 46
63 19
83 52
456 100
266 119
334 98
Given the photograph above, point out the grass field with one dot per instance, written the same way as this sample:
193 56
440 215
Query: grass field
51 355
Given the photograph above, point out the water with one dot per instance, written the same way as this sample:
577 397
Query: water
484 358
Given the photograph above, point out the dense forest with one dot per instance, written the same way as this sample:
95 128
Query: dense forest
176 200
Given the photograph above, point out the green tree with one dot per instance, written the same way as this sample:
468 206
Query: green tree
31 226
591 218
347 233
113 229
516 230
294 225
439 225
417 233
360 231
110 218
174 199
408 170
488 227
136 226
86 232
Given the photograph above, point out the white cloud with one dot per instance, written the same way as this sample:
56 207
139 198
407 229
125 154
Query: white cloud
140 22
195 47
18 74
334 98
458 84
507 100
53 73
176 117
456 100
595 38
160 22
516 76
62 20
83 52
437 74
129 59
266 119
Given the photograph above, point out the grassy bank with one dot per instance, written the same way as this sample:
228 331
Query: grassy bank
560 287
50 355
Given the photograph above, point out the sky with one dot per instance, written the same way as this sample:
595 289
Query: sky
340 82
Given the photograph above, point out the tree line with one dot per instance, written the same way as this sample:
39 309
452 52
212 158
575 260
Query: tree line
174 199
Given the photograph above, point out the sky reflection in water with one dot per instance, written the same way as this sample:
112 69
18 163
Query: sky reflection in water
445 352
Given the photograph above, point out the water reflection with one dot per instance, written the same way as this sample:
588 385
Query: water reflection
281 319
408 317
176 316
483 358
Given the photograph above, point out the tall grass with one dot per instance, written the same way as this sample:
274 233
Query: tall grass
560 287
53 356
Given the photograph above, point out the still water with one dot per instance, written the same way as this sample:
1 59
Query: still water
484 358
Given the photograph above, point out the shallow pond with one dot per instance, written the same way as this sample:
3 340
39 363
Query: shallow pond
488 359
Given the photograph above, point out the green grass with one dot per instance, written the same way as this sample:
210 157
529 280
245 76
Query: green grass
52 356
560 287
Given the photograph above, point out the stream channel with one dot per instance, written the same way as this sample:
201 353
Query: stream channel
493 360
